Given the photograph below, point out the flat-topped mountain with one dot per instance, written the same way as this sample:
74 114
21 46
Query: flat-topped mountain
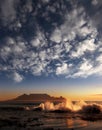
37 98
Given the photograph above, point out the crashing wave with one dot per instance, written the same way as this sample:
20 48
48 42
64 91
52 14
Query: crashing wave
68 106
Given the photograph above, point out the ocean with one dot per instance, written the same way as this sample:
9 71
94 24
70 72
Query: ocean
50 116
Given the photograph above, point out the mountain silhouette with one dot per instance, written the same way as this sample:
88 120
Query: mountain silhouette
37 98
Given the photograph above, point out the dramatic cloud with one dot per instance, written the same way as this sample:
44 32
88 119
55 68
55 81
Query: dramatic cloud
42 38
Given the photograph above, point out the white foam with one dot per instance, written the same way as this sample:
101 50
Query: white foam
69 105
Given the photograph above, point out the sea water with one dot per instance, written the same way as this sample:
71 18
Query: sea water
49 118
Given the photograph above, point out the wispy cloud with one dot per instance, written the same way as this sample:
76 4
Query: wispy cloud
17 77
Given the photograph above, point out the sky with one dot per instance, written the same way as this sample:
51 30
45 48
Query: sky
53 47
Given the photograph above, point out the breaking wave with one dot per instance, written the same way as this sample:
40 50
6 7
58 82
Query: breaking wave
68 106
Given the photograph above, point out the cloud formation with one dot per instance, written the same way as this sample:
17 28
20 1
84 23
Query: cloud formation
49 38
17 77
63 69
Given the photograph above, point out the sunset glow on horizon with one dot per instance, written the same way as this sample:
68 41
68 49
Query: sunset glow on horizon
69 94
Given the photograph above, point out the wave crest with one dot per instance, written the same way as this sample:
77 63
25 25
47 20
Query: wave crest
68 106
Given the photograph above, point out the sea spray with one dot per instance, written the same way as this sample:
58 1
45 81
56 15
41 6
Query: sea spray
78 105
47 106
69 106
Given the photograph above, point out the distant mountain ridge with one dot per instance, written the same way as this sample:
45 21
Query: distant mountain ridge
37 98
